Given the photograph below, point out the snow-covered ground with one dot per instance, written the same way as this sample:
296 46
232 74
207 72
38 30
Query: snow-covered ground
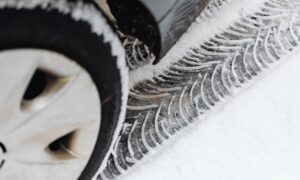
256 136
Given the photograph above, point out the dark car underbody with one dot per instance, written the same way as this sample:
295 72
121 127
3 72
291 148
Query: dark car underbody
159 24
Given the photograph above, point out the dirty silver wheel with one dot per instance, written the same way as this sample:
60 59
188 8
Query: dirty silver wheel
50 115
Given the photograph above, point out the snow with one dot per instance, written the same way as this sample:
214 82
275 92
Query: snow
254 136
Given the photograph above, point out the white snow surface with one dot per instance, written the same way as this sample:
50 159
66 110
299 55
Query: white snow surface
255 136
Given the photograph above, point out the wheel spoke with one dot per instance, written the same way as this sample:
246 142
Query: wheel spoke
15 75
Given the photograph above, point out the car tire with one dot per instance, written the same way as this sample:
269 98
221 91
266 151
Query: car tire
79 31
